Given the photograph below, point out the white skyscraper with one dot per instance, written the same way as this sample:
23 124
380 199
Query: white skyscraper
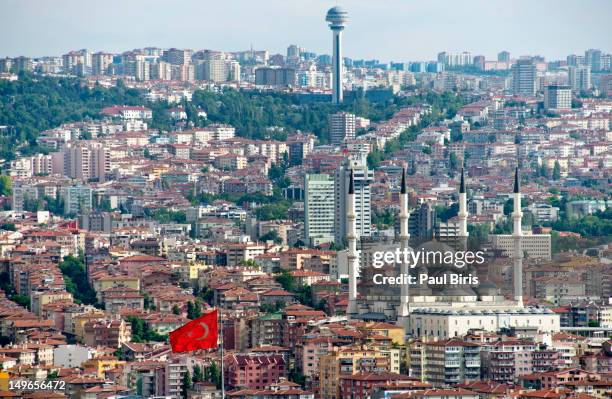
318 208
337 19
524 77
362 178
341 127
580 78
557 97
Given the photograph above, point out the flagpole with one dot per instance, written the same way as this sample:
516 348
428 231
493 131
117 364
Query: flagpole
222 356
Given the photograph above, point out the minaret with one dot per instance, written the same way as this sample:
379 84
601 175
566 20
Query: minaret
351 237
404 239
517 217
337 19
463 214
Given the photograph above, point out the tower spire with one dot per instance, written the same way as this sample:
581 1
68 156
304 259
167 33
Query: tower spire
517 184
404 309
463 213
517 217
351 238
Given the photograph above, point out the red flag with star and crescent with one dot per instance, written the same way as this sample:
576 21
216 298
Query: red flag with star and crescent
200 333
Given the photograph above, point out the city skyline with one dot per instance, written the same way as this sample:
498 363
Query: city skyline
430 27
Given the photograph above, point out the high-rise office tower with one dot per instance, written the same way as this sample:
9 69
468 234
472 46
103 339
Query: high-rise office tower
422 222
85 161
557 97
580 78
362 179
100 63
592 58
318 208
218 70
524 77
479 62
337 19
341 127
275 76
178 56
294 51
503 56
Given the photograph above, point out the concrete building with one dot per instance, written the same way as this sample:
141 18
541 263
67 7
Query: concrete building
446 362
178 56
579 78
254 371
275 76
341 127
100 63
362 178
524 77
543 212
506 360
70 356
503 56
319 208
449 323
86 161
77 199
593 58
557 97
349 361
218 70
537 246
422 223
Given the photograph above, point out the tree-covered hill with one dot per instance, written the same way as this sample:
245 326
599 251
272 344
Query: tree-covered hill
33 104
36 103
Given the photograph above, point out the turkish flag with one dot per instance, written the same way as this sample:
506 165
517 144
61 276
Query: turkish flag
200 333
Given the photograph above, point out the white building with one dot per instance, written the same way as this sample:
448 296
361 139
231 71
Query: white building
524 77
341 127
319 206
362 178
536 246
557 97
448 323
76 199
579 78
71 356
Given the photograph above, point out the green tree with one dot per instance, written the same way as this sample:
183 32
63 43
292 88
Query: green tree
193 310
213 374
556 174
52 375
6 185
75 277
271 235
198 375
453 162
119 353
8 226
187 383
286 280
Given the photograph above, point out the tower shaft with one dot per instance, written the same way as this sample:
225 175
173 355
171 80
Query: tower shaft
517 216
337 95
404 239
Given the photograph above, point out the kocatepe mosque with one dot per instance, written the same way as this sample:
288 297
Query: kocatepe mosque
442 311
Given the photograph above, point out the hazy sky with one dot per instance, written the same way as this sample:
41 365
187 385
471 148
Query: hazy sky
397 30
